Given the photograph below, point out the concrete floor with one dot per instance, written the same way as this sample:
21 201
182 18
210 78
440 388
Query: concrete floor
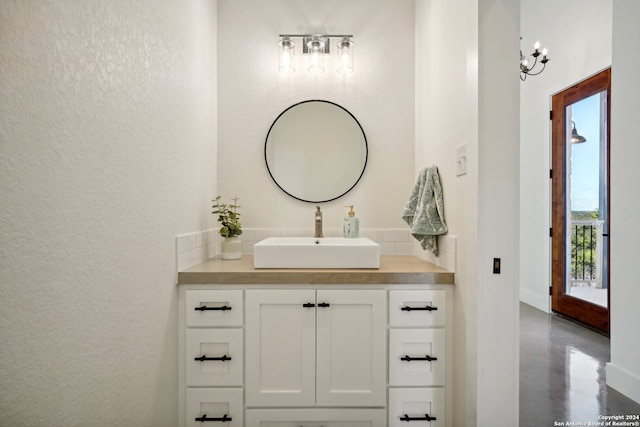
562 373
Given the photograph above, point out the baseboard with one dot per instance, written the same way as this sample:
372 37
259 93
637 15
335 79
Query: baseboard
623 381
541 302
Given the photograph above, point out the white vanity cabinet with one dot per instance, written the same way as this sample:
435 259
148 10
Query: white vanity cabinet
314 355
316 348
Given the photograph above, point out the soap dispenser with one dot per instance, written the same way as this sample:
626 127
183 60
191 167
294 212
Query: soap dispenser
351 227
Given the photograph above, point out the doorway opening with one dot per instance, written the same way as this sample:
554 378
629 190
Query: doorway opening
580 201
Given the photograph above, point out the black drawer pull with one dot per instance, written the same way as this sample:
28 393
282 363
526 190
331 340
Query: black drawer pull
427 308
426 417
308 305
324 304
204 357
205 308
427 357
204 418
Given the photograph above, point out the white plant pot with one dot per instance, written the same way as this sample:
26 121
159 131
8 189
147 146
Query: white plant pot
231 248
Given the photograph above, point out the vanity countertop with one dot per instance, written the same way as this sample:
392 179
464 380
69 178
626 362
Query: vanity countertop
393 270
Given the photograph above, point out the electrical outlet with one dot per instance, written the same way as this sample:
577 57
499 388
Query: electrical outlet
461 160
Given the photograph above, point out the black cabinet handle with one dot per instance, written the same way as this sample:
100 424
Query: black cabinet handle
324 304
308 305
205 308
426 417
427 308
427 357
204 418
204 357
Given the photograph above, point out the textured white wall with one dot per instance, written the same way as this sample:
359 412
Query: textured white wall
379 94
107 151
623 373
579 45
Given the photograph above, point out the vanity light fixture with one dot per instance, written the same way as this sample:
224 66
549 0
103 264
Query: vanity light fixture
575 137
316 48
526 66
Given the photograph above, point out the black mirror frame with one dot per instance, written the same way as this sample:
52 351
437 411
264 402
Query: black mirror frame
366 147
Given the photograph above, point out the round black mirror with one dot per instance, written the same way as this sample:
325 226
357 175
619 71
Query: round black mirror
316 151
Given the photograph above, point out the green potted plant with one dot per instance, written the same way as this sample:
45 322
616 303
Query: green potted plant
231 228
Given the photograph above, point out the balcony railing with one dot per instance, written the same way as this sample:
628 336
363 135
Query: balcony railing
586 253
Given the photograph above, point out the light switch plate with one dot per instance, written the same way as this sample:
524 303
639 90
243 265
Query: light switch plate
461 160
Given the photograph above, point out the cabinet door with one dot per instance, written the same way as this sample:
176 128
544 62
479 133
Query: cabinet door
310 417
216 406
280 347
351 354
422 407
416 357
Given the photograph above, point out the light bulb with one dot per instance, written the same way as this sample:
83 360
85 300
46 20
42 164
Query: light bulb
345 55
316 55
315 63
286 55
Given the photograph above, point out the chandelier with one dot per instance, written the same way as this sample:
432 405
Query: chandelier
528 66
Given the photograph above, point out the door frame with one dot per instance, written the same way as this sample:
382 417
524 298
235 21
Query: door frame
583 311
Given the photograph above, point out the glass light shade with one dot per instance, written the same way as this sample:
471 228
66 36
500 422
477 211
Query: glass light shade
345 56
286 55
316 55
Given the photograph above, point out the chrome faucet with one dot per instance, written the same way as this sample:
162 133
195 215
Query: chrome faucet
318 232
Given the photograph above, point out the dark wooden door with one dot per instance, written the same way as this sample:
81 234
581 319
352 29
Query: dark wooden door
580 236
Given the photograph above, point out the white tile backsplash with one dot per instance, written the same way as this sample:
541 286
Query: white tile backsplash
193 248
446 252
185 242
396 235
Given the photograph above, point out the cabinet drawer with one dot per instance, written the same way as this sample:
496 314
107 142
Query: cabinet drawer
316 417
215 406
422 308
423 407
416 357
214 308
214 357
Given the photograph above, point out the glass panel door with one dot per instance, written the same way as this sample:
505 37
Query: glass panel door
580 201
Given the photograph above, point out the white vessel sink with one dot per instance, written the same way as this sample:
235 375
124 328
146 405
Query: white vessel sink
311 252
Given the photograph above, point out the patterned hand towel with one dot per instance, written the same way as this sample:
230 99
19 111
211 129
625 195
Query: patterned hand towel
424 211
